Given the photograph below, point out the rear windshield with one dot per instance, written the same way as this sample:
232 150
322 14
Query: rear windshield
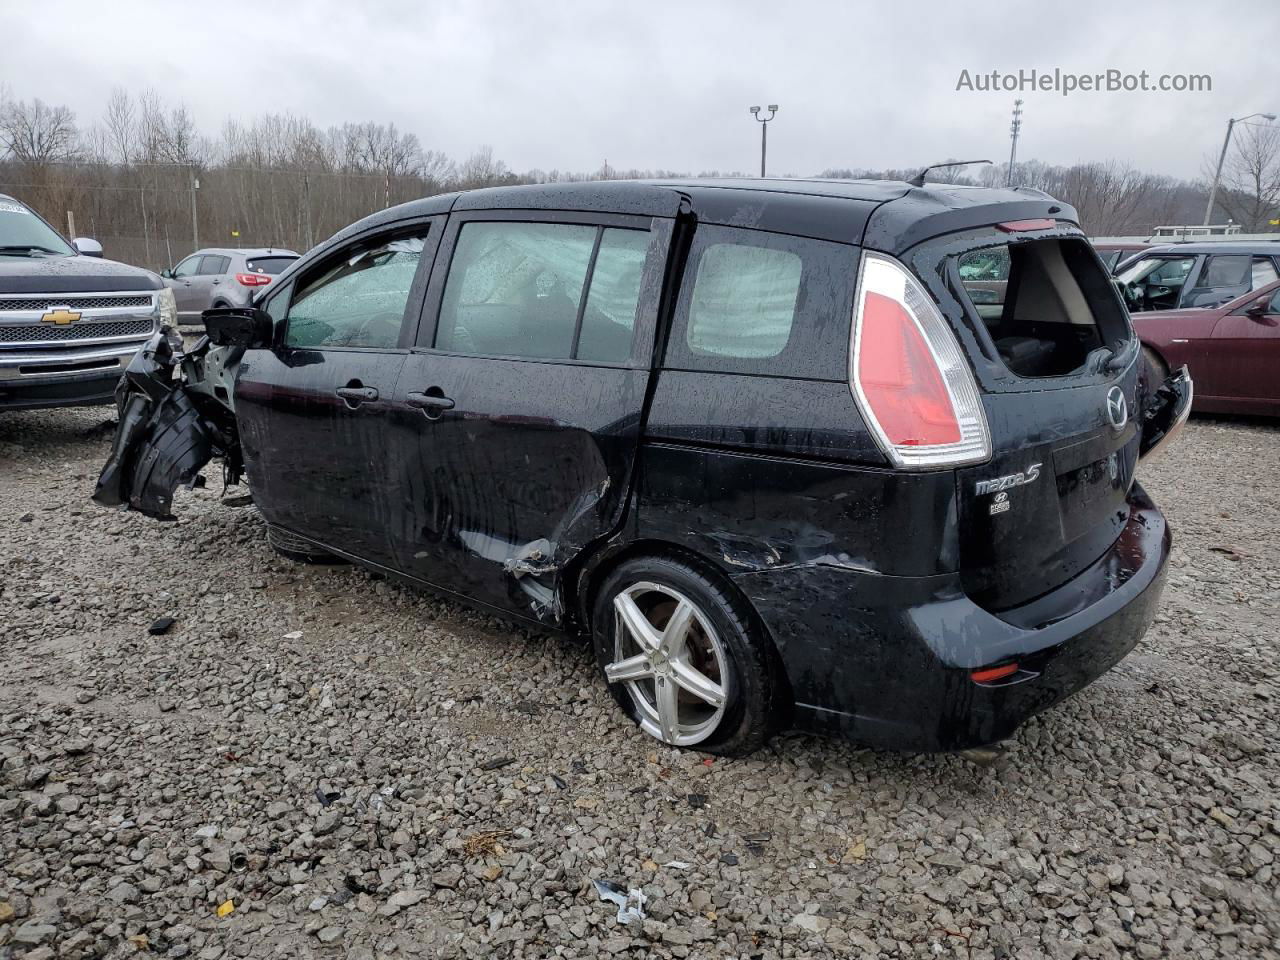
271 265
24 234
1045 304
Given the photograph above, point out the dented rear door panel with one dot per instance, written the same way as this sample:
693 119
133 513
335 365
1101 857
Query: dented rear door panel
532 462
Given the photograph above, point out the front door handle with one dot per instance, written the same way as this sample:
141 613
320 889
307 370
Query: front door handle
432 402
354 395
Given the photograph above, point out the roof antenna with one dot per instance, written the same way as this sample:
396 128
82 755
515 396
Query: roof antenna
918 179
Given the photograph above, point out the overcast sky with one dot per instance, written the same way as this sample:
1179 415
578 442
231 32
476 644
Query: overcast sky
551 84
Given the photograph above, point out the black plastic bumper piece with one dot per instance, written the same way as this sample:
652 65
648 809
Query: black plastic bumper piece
162 440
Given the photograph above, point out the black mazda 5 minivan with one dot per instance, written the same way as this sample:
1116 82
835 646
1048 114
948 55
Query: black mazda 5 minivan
760 440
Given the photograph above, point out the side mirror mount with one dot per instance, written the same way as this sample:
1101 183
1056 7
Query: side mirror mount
1257 310
249 328
87 247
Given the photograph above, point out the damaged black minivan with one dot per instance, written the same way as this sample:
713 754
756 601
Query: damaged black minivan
782 450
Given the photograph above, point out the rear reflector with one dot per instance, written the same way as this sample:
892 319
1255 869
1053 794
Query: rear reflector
253 279
908 374
1020 226
991 674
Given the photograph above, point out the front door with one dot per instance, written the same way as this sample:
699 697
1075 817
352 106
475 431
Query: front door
186 291
517 417
1242 359
313 410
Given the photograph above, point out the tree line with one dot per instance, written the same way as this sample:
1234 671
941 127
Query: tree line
151 186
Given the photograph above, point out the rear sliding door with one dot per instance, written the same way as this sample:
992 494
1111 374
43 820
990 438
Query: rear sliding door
517 419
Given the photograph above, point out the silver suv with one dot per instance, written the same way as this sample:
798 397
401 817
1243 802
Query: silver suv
70 321
217 277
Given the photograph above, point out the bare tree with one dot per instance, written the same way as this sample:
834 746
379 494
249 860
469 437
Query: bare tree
1249 191
38 133
121 124
482 170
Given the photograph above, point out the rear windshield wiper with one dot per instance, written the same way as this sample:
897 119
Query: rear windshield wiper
26 249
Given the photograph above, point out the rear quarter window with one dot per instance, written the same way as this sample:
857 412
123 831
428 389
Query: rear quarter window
758 302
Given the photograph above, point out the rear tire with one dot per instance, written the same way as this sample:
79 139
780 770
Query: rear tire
692 669
297 549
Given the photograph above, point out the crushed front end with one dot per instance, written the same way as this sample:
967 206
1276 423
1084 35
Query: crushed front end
175 413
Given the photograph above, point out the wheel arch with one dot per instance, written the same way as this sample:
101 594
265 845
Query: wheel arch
588 574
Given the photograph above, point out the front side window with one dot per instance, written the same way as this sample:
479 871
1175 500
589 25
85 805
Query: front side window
543 291
1155 283
187 268
360 300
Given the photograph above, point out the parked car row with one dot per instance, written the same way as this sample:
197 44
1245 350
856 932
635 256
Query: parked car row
749 437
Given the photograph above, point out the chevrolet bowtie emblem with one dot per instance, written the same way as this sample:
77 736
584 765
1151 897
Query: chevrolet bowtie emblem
60 315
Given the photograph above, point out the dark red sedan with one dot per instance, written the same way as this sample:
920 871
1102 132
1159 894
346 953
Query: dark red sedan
1233 350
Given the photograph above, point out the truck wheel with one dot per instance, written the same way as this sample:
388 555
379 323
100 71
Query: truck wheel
295 548
684 659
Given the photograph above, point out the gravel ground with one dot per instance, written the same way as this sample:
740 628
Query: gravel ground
361 771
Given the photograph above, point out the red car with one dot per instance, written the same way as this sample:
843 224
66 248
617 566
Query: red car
1233 350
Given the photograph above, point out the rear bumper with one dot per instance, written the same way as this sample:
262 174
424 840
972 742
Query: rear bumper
36 379
887 660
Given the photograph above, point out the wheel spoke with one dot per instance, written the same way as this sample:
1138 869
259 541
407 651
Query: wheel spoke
667 697
636 623
675 633
698 683
632 668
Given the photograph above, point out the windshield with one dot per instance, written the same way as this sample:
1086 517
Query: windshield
21 232
1164 269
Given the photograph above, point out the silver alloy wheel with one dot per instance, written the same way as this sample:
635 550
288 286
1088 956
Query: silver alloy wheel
672 662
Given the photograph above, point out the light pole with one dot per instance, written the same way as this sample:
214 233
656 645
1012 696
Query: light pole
764 130
1217 174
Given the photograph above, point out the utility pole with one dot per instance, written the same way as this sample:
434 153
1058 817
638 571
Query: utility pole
1226 143
306 200
764 130
1015 127
195 219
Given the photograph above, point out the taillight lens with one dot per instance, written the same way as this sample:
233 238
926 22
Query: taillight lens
908 374
253 279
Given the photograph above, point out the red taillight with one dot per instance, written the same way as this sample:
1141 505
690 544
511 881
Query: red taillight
991 674
253 279
900 378
1021 226
911 381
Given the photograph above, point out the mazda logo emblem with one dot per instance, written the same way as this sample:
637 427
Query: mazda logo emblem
1117 409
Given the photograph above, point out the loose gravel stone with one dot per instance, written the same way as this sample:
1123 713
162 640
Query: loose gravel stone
320 748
